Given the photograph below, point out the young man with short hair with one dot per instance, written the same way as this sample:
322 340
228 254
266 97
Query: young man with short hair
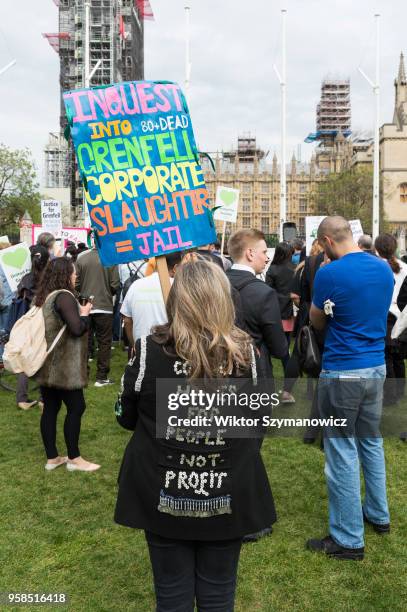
261 311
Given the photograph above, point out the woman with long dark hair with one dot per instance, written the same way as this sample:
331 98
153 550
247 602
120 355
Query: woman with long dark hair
64 374
194 499
386 247
280 276
29 283
25 292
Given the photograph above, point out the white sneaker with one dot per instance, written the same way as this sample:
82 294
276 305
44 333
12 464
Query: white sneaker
52 466
82 466
26 405
287 398
103 383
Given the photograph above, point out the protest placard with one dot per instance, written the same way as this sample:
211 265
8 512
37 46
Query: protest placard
66 234
227 199
140 169
51 216
356 227
226 205
16 262
311 229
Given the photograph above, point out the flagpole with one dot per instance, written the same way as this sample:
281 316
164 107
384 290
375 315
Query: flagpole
86 79
376 146
187 48
283 203
376 171
87 43
283 82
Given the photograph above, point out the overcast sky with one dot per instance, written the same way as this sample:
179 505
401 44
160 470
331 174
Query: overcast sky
234 44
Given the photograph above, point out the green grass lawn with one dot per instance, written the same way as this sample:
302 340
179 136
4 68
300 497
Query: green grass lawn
57 532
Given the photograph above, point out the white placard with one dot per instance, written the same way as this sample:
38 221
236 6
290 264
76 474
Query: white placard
51 216
4 239
72 234
356 227
311 229
228 200
16 263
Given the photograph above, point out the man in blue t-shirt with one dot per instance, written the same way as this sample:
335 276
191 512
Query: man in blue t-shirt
352 296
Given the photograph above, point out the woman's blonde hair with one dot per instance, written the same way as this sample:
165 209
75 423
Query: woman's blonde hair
201 326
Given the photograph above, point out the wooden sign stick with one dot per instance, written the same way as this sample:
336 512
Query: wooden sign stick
164 276
223 238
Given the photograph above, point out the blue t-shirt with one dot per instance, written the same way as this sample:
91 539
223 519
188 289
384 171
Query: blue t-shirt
361 287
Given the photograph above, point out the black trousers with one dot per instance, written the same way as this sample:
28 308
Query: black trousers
291 370
187 571
75 407
102 325
286 357
395 375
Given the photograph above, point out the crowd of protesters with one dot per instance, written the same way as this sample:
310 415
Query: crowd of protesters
222 319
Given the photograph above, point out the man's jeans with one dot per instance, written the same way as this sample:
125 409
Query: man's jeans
356 395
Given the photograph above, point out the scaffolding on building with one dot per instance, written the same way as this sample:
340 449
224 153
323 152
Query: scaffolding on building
116 40
54 39
333 111
247 150
57 162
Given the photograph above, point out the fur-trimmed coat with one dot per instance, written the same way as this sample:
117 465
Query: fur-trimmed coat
67 365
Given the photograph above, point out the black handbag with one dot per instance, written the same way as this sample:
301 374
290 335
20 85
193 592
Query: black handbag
309 354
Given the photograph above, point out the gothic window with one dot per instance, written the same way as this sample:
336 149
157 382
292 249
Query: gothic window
403 193
265 188
246 221
246 204
265 225
265 205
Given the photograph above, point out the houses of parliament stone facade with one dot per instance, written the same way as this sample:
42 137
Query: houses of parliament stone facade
258 180
259 184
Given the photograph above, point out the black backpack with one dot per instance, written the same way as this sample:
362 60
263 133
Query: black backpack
134 275
308 351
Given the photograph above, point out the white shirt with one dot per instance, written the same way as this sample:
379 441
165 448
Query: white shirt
244 268
398 281
144 304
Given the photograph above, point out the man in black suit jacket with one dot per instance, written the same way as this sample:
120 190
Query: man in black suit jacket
261 311
260 307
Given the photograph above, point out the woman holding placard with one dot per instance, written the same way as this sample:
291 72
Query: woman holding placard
195 499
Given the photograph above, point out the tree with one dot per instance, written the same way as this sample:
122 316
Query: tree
18 187
350 195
